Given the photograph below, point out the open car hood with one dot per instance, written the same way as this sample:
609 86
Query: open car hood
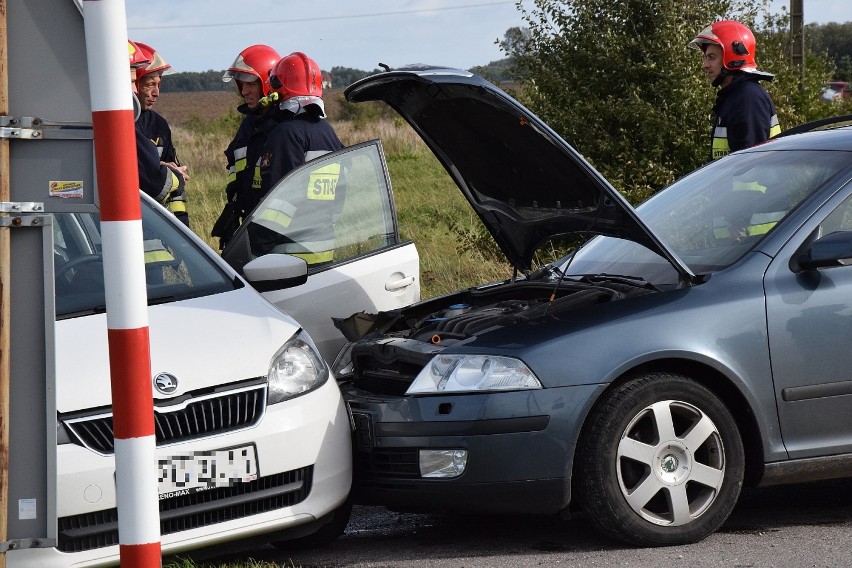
523 180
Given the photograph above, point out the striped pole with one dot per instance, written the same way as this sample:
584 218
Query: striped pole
124 280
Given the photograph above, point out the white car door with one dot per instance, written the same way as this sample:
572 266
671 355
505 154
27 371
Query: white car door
337 213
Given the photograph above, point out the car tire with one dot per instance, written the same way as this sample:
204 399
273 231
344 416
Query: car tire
660 462
325 535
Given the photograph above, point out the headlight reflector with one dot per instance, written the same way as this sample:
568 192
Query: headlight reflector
297 368
473 373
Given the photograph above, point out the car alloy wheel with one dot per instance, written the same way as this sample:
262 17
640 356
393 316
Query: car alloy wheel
661 462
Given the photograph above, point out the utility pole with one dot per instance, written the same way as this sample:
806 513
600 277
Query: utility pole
797 37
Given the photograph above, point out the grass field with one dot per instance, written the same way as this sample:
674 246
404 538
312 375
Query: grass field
455 250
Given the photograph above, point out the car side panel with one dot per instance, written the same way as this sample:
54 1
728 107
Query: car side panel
809 318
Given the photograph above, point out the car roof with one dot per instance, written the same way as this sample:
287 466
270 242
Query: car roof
832 133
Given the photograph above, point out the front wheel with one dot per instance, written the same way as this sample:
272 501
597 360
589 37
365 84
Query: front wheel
660 462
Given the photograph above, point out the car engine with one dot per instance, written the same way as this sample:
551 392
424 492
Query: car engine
389 349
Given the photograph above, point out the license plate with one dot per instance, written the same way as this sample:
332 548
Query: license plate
201 471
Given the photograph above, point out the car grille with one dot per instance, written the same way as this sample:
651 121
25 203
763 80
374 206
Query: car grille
194 417
378 465
100 529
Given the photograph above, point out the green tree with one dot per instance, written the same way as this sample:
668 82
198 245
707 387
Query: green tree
618 82
835 40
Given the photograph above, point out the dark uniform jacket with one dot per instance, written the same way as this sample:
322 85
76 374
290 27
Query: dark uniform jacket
243 156
743 116
157 130
157 180
299 221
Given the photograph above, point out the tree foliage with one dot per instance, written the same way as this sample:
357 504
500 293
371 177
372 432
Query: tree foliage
190 81
618 82
835 40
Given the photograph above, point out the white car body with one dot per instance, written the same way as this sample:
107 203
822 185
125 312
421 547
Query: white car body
218 348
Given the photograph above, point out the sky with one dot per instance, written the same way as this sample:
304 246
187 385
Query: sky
199 35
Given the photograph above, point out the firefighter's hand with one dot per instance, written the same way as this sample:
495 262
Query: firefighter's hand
177 169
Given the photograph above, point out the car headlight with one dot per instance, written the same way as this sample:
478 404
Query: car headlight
297 368
473 373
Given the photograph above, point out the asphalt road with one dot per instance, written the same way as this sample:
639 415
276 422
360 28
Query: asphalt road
797 526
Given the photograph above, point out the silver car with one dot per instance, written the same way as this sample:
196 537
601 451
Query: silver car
693 345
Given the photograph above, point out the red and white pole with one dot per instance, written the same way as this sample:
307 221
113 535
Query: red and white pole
124 280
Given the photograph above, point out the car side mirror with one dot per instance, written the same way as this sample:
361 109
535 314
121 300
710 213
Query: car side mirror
276 271
834 249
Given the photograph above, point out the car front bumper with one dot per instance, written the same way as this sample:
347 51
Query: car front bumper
519 445
304 442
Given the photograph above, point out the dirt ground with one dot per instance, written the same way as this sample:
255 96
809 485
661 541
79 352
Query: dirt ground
178 108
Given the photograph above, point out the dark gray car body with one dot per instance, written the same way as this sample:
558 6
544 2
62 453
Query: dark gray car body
768 333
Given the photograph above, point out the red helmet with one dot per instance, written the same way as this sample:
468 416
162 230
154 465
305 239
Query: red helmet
136 55
735 39
157 64
253 63
296 75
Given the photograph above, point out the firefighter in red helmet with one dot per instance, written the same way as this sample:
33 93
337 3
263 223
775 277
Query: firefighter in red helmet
161 181
250 72
302 132
744 114
301 224
154 126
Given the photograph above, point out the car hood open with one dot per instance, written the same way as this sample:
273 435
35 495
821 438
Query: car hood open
523 180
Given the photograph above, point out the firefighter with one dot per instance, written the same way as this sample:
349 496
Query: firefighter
250 72
154 126
302 223
744 114
161 181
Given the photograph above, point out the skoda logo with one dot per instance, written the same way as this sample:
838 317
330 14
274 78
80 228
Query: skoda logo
669 463
165 383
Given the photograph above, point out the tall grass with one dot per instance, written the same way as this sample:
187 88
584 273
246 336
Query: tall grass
431 210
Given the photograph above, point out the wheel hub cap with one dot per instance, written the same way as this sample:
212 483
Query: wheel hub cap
669 463
673 463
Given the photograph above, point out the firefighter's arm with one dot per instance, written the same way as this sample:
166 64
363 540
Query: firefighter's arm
175 199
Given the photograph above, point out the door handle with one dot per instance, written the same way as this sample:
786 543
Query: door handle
399 284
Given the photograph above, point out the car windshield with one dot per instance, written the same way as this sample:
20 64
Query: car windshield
175 267
713 216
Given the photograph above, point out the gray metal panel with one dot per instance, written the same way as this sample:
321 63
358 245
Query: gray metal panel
32 444
48 79
47 60
36 164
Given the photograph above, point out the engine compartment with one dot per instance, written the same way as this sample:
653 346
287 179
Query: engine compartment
390 348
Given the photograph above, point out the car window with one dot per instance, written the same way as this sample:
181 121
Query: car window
838 220
713 216
175 267
333 209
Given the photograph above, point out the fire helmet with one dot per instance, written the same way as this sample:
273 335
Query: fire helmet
735 39
136 55
296 75
252 64
157 66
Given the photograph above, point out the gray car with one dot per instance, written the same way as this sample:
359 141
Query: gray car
693 345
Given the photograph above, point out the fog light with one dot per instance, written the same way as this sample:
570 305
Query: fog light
442 463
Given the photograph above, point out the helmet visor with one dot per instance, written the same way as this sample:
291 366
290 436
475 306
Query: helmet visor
239 76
